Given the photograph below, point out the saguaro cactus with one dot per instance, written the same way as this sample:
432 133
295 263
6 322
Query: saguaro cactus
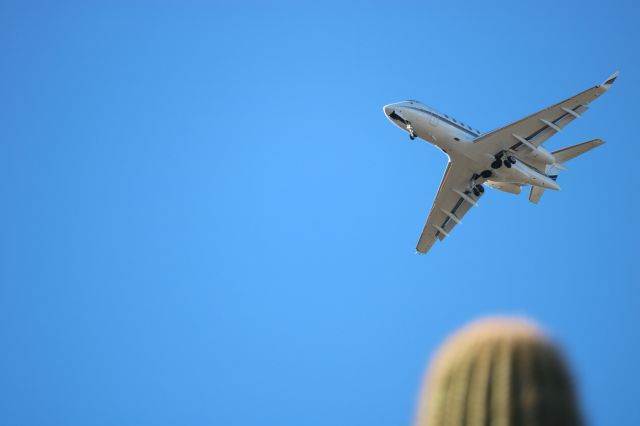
499 372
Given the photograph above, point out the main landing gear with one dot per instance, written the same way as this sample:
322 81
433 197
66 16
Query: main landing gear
478 189
502 159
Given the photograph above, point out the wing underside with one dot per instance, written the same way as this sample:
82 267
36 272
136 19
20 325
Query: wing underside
453 201
455 196
532 131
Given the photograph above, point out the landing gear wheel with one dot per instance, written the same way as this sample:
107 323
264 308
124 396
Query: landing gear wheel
496 164
507 164
412 133
486 174
512 159
480 189
476 191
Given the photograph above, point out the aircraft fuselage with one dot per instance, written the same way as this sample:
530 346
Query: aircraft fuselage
455 138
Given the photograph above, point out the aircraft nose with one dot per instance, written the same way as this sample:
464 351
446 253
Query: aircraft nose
388 109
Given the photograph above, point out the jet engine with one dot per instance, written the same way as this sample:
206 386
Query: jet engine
511 188
542 155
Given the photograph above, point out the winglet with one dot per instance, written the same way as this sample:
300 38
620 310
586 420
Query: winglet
609 82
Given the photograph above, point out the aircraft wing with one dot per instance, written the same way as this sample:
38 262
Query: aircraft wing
534 130
452 202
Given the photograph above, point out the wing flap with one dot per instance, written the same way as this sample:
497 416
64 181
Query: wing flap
453 201
537 128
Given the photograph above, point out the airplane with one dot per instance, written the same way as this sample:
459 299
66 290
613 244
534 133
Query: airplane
505 159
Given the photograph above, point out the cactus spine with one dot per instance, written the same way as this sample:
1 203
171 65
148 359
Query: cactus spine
499 372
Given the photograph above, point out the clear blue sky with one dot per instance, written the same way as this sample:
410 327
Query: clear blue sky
207 220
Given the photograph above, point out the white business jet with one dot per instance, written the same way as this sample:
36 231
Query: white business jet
505 159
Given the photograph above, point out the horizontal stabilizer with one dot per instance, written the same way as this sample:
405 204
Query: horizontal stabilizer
565 154
535 194
562 156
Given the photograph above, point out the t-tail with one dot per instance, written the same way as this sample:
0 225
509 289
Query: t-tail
562 156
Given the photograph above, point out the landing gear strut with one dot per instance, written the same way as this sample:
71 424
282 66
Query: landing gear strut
412 133
498 161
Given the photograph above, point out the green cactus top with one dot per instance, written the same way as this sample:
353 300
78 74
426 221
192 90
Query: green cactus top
499 372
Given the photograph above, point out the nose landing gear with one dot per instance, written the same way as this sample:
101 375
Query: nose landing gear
412 133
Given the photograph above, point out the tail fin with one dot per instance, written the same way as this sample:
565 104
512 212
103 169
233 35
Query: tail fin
562 156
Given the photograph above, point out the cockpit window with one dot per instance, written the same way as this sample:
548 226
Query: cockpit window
396 117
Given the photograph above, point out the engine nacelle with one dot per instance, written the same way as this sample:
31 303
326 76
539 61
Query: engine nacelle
511 188
541 154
